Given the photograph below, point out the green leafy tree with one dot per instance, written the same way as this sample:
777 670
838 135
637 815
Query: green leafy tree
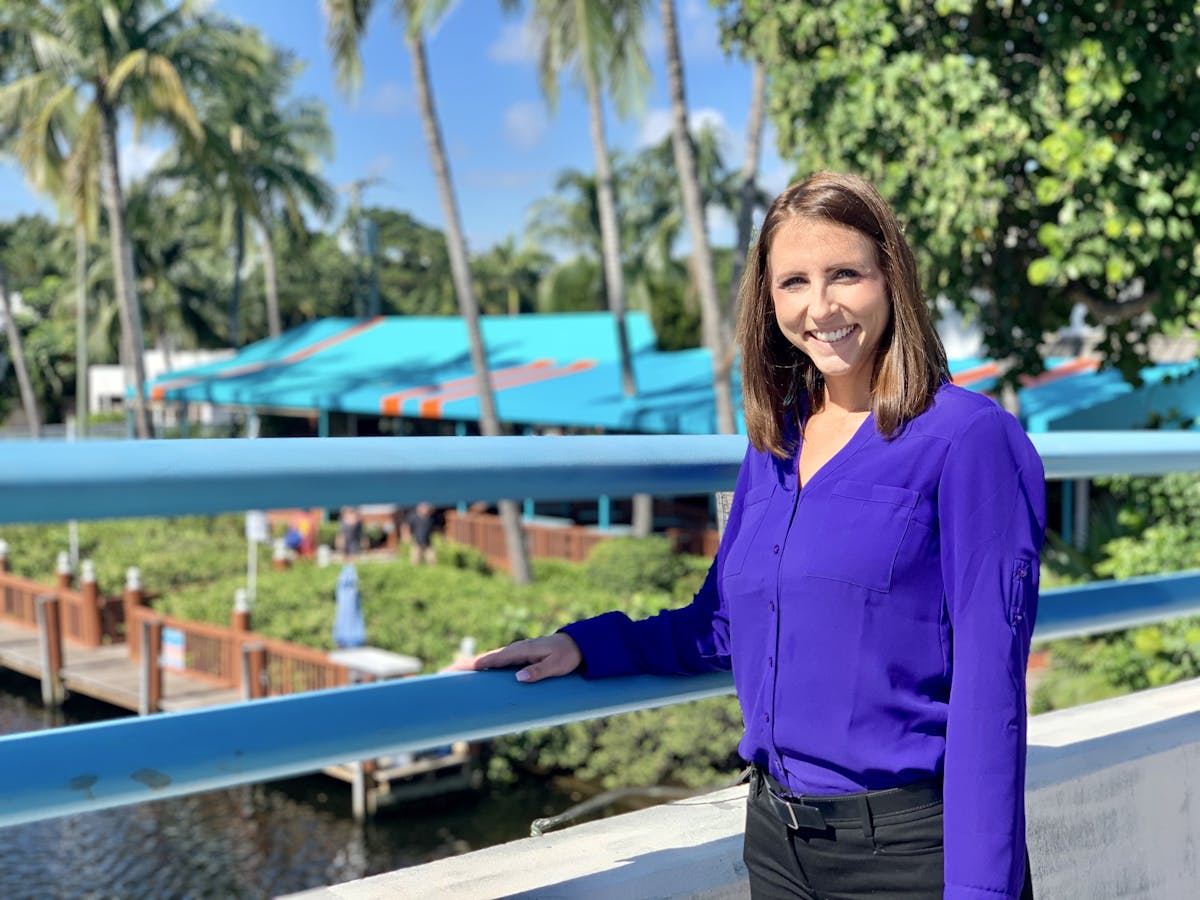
508 275
108 58
347 20
1042 154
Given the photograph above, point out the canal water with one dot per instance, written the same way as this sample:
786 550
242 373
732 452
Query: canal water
252 841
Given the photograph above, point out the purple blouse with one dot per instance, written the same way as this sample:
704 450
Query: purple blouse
877 623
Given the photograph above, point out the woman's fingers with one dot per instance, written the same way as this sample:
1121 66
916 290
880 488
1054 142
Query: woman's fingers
542 657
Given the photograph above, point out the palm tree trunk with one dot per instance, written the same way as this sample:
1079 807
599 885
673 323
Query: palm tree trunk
468 307
126 289
235 295
610 242
17 351
747 192
271 280
693 209
81 318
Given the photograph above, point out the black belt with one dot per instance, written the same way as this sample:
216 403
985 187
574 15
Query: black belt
822 811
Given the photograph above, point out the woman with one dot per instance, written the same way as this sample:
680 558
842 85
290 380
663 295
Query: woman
876 585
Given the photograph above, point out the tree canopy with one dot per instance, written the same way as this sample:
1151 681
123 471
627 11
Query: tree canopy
1041 154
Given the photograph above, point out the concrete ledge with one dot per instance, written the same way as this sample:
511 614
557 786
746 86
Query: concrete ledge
1113 794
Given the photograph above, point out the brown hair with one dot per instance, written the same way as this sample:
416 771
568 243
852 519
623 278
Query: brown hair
777 378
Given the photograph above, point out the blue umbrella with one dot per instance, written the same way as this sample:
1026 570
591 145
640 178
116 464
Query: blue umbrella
349 630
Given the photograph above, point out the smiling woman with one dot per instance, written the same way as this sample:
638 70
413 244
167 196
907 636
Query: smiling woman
876 584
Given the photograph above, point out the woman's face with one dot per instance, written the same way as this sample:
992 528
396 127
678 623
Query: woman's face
831 302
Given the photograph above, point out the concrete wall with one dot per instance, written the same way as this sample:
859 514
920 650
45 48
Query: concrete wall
1113 796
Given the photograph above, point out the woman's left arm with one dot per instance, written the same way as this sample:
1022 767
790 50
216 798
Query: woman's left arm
992 517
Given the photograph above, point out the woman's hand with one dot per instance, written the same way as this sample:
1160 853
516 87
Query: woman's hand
542 657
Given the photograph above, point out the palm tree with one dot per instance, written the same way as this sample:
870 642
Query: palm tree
600 40
693 207
17 352
109 57
347 19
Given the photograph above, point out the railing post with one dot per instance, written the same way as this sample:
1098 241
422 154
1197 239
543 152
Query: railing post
92 626
150 697
279 555
50 641
132 599
254 671
240 619
4 556
63 570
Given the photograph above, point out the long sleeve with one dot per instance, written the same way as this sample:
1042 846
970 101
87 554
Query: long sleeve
684 641
991 511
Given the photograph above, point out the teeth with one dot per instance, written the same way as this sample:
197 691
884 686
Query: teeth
831 336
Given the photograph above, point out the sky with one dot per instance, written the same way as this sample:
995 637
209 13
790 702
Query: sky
505 146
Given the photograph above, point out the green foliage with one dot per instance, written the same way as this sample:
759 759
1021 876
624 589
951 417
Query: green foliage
1153 531
626 565
1039 153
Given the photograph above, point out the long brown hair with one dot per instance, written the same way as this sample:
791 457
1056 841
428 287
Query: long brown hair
777 378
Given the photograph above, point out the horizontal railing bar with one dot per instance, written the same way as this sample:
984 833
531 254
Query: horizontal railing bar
92 767
1103 606
54 482
89 767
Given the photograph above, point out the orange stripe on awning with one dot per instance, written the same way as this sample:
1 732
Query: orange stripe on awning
1071 367
390 404
976 373
159 391
432 407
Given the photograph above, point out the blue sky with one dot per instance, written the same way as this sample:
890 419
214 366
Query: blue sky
506 148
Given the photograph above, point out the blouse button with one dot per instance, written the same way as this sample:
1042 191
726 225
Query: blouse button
775 549
770 662
771 606
766 717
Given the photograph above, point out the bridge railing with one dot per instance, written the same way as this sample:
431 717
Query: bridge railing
105 764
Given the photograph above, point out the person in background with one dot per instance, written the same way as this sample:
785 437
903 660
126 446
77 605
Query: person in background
420 527
350 532
876 585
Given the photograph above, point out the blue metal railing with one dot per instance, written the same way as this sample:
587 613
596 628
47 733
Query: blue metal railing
92 767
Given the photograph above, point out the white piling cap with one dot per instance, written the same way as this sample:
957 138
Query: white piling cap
324 556
87 571
133 579
63 566
3 549
279 549
240 603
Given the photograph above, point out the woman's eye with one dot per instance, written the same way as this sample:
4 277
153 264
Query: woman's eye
845 274
791 282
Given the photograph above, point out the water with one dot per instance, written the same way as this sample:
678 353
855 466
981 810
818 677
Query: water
252 841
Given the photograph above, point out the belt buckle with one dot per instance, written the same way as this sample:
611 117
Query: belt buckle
809 816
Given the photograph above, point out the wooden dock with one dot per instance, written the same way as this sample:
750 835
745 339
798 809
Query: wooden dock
105 673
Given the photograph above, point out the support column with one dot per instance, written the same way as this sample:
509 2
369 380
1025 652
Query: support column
62 570
132 600
50 640
240 620
93 627
323 423
254 670
1082 490
4 557
460 430
1068 513
604 512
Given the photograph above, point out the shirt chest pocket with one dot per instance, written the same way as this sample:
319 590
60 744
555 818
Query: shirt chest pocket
858 535
754 513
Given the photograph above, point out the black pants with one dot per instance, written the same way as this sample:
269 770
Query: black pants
900 860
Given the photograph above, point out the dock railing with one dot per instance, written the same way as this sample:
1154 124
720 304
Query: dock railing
95 766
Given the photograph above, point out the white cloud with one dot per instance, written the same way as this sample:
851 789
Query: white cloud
390 99
137 159
656 126
524 124
518 42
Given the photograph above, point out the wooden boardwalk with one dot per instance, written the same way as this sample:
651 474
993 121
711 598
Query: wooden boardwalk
105 673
